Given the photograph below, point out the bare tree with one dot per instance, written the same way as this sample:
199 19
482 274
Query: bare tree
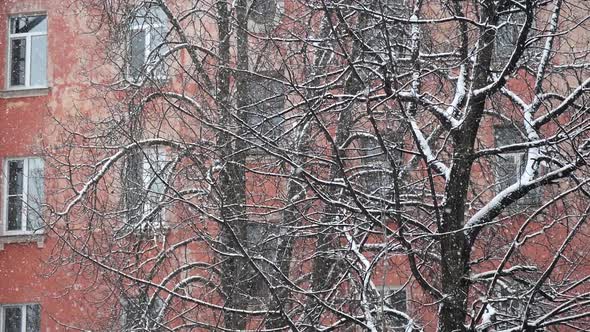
334 165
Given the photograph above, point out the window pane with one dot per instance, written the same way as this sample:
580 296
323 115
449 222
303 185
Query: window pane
153 170
371 151
158 16
137 53
267 99
33 318
506 135
507 167
39 60
138 311
149 16
263 11
36 193
507 34
134 309
154 164
133 186
261 239
15 206
24 24
375 162
507 170
15 177
18 51
397 300
156 40
157 37
12 319
132 313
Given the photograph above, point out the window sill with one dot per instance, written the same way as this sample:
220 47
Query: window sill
24 92
22 238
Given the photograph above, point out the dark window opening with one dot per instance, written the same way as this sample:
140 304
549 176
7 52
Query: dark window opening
509 167
145 176
139 314
377 178
265 102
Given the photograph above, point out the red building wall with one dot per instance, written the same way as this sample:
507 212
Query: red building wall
25 119
27 125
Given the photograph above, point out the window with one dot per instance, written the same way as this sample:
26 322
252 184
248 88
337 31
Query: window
397 299
264 15
141 315
507 34
146 44
265 99
380 35
262 240
507 304
374 161
20 318
27 52
23 195
509 167
144 187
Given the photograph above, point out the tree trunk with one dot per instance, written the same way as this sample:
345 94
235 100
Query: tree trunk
233 179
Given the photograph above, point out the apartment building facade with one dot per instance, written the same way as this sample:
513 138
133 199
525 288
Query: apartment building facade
157 176
42 45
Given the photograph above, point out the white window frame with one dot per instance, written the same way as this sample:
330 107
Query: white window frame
23 308
28 37
149 29
24 208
